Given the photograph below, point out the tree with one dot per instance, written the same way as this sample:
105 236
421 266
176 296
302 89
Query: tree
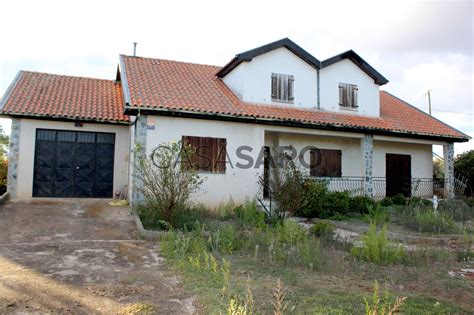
465 163
4 143
166 185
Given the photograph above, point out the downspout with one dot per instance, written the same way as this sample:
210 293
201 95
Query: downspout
317 91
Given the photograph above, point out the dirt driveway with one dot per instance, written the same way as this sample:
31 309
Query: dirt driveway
80 256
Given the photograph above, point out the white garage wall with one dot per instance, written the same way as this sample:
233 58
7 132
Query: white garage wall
27 151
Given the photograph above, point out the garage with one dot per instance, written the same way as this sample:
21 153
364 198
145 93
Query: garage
73 164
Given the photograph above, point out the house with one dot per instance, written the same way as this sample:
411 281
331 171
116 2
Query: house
77 137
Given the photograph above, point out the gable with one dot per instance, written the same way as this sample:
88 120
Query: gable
250 54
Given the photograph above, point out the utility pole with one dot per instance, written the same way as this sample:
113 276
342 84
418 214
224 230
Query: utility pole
429 101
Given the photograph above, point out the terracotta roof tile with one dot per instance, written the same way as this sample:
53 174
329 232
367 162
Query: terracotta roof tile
60 96
174 85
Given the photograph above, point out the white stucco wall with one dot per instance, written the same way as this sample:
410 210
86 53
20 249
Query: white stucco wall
27 151
240 184
346 71
421 157
236 183
251 81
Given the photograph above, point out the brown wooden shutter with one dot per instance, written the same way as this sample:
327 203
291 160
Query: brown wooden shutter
312 163
355 89
274 85
291 80
330 165
209 154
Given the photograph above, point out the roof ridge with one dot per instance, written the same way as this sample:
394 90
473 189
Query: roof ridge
172 60
66 75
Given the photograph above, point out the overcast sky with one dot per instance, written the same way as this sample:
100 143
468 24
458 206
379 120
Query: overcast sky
416 45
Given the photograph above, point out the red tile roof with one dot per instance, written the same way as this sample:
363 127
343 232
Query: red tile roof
59 96
171 85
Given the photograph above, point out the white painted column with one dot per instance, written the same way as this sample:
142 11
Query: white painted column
448 155
367 146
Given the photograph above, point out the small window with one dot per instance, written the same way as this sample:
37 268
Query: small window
325 163
209 154
283 87
348 95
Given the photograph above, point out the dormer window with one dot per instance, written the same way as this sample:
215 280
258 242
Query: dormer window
348 95
282 88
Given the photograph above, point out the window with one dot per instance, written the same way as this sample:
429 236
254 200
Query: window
282 87
325 163
209 154
348 95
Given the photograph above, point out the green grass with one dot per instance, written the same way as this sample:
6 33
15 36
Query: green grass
320 277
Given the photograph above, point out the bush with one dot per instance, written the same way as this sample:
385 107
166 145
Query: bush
165 185
378 214
314 196
376 247
458 209
336 203
399 199
187 218
426 220
248 215
323 229
386 202
287 187
361 204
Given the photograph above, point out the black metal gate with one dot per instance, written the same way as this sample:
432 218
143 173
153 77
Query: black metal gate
73 164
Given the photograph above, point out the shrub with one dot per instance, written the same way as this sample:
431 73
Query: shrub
382 305
248 215
378 214
376 247
426 220
361 204
419 201
336 203
386 202
466 253
323 229
458 209
314 197
166 186
399 199
287 187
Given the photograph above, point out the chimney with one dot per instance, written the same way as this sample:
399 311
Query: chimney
134 49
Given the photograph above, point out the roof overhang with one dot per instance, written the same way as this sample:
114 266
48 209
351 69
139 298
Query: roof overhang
361 63
134 111
250 54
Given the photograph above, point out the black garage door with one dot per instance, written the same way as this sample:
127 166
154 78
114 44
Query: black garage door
73 164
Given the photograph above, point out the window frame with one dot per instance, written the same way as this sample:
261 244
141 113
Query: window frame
325 156
288 93
355 99
217 163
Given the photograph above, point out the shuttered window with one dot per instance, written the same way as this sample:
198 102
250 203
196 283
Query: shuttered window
283 87
348 95
209 154
325 163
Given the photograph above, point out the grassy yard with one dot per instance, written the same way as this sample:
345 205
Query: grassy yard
233 258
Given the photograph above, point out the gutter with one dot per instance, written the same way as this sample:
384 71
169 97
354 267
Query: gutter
64 118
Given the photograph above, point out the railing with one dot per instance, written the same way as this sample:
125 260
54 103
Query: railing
265 195
415 187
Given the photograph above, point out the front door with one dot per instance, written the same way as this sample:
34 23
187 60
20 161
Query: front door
398 174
